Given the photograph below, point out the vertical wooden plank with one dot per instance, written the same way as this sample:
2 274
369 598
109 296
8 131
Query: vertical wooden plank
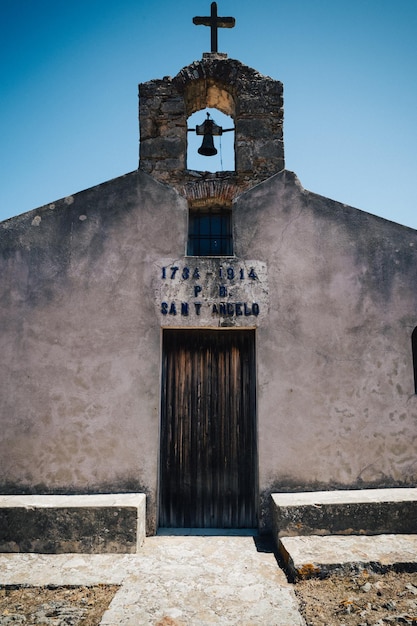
208 431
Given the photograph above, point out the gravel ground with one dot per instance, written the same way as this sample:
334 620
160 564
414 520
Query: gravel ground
366 599
59 606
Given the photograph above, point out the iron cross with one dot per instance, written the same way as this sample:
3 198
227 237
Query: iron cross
214 22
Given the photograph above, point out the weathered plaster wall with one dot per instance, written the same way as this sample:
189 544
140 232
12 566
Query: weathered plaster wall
79 370
336 402
81 289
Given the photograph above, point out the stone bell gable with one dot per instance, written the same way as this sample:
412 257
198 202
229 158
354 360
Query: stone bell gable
254 101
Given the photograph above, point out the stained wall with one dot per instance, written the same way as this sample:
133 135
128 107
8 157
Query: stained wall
87 285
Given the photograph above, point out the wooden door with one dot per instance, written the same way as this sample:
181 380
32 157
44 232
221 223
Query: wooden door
208 471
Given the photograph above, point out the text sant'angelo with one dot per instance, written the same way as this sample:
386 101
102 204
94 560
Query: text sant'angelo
222 308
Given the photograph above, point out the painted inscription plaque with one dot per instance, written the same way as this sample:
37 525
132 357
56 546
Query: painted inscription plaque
211 291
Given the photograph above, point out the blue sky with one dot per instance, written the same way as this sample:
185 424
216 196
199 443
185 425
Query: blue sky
70 70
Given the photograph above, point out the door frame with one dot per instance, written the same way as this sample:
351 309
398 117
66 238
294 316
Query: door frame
164 330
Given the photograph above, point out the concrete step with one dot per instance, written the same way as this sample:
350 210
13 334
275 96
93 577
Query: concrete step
50 524
354 512
315 556
323 532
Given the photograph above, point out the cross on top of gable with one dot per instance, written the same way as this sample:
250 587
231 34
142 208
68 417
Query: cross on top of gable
215 22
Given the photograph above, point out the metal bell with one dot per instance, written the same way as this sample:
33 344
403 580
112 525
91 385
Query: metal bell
208 128
207 146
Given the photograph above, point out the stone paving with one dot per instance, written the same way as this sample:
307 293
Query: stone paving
175 580
335 554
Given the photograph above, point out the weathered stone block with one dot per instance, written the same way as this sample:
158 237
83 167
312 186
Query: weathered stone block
270 149
171 165
174 106
363 512
58 524
255 128
148 129
311 557
162 147
244 156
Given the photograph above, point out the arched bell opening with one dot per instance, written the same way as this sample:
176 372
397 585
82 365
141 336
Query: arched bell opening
210 141
254 104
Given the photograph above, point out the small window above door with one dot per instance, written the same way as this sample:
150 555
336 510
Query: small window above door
210 232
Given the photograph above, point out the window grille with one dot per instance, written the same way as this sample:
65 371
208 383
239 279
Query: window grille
210 233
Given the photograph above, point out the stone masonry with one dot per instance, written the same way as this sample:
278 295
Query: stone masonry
255 103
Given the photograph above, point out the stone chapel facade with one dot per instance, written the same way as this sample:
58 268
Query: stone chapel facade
207 338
